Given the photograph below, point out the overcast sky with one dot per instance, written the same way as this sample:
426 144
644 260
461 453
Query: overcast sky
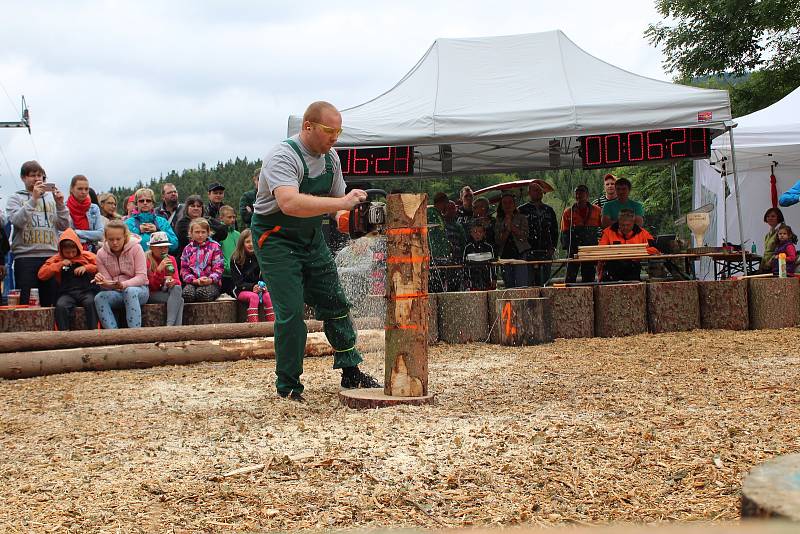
122 91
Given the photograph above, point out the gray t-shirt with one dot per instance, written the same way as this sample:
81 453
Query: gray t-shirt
282 166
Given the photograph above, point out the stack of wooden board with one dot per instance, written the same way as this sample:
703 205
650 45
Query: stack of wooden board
620 252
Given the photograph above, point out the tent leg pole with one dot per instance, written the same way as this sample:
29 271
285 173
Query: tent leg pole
745 270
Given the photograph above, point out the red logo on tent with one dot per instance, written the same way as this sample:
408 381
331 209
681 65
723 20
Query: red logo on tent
704 116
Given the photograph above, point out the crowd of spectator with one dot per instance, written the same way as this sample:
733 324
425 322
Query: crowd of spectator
79 251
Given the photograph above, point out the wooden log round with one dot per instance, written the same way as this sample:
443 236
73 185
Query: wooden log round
433 319
152 315
19 342
620 310
572 311
218 311
142 355
27 319
723 304
463 316
772 490
491 306
367 399
524 321
673 306
773 302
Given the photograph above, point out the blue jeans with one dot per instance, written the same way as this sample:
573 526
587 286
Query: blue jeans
132 298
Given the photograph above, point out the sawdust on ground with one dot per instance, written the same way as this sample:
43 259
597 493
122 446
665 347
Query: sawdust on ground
646 429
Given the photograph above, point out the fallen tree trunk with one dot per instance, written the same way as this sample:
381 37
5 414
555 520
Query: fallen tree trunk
50 340
142 355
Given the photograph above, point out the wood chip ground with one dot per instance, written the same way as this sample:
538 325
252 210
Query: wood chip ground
645 429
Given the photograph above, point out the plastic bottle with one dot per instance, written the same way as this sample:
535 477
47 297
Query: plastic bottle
753 248
170 268
782 265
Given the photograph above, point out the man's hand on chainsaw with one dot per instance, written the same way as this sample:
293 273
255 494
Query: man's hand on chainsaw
353 198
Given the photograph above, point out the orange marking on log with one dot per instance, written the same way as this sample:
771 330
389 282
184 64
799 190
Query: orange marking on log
403 327
407 231
266 234
510 329
408 296
407 259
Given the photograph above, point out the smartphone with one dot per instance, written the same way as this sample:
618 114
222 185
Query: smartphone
49 187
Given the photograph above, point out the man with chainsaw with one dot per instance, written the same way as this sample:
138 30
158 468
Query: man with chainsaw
300 182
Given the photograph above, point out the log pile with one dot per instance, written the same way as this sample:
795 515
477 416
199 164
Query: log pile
673 306
616 252
773 302
620 310
723 304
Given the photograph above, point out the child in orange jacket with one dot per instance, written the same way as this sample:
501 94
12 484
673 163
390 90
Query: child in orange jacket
73 269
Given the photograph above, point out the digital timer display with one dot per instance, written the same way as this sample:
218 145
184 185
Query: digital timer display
381 161
632 148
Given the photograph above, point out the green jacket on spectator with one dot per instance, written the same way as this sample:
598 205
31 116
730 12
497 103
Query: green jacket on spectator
246 207
228 246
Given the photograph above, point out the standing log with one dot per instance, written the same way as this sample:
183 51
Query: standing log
28 319
491 305
142 355
620 310
773 302
407 264
218 311
723 304
524 321
152 315
433 319
772 490
463 316
673 306
572 311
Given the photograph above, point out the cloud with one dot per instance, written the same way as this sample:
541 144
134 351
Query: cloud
122 91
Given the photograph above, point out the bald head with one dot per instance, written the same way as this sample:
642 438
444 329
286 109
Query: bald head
316 111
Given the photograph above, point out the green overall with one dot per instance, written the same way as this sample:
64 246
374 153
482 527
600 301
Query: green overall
298 267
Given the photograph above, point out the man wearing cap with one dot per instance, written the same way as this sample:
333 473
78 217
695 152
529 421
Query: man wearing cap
301 181
579 226
216 199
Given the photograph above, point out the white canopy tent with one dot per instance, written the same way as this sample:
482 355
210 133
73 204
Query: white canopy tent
770 135
517 103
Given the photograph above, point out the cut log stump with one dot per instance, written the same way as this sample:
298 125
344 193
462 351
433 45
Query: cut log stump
152 315
773 302
673 306
463 316
772 490
723 304
31 319
218 311
572 311
513 293
524 321
367 399
433 319
620 310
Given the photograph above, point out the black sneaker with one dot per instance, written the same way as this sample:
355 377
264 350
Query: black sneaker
353 377
292 395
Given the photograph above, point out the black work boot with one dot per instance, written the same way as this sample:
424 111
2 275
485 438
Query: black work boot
353 377
292 395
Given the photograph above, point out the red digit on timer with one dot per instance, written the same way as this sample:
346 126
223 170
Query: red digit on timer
635 148
344 158
678 148
378 160
654 150
698 142
404 162
613 148
356 161
599 144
